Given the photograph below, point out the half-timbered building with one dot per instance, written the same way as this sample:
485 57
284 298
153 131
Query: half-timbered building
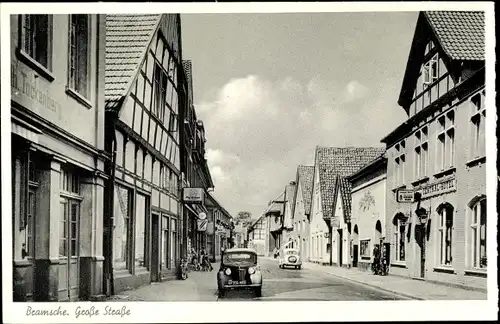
145 92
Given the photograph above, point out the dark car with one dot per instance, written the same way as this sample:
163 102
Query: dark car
239 269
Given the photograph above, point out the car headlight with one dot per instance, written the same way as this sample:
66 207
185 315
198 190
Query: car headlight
227 271
251 270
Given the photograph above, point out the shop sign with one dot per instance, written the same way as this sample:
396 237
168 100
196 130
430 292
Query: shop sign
193 195
202 215
405 196
439 188
202 225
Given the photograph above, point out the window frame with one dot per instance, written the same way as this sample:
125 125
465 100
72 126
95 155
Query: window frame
399 163
446 141
71 89
366 252
27 58
445 236
478 114
399 237
421 166
474 241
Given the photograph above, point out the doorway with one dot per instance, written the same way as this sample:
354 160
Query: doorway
340 248
69 250
355 247
155 247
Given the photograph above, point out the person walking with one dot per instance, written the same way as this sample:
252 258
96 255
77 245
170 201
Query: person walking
376 260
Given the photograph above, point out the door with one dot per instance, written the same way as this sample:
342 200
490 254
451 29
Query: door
341 248
355 255
69 250
155 247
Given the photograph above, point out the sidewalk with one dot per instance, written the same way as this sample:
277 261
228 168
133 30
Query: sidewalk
406 287
199 286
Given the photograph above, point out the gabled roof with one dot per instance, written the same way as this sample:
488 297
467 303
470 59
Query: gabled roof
276 205
459 34
305 179
344 187
128 37
332 162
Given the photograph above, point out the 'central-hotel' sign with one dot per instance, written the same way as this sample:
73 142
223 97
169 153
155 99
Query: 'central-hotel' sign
193 195
439 188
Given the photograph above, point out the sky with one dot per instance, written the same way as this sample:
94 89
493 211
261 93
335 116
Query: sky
271 87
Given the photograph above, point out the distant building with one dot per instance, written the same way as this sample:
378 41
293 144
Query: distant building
368 218
257 235
330 209
302 209
219 228
274 225
289 203
439 152
58 174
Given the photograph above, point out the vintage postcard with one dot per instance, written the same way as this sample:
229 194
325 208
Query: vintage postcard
250 162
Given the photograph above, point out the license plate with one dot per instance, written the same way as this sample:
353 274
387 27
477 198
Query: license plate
236 282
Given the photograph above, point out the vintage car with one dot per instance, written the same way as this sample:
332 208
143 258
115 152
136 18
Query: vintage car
239 270
290 258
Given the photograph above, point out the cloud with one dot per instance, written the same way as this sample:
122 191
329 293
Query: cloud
259 130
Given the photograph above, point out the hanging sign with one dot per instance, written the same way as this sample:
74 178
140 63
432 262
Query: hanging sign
193 195
202 225
405 196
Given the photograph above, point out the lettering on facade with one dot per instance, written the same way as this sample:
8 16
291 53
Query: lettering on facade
193 195
367 201
20 84
438 188
405 196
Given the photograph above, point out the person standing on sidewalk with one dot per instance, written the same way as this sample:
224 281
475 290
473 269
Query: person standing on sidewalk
376 260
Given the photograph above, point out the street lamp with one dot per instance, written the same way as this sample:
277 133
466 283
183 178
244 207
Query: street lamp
422 215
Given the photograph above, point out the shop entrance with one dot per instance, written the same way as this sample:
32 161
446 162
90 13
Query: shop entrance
69 250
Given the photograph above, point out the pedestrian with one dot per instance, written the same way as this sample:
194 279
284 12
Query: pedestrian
376 259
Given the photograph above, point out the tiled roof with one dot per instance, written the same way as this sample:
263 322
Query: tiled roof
345 193
306 178
127 40
460 33
276 205
339 161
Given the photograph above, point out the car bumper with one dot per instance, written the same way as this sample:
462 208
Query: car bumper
242 286
292 264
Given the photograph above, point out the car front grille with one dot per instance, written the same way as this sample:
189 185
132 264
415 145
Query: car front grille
239 274
292 259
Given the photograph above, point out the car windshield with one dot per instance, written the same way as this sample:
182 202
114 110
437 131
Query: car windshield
291 252
240 257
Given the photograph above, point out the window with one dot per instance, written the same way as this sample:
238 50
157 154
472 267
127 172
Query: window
173 242
477 240
445 229
478 124
421 153
160 91
122 243
70 214
37 38
430 71
446 141
140 231
79 54
399 163
364 248
399 240
165 250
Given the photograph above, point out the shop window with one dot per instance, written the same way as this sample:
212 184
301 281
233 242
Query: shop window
173 243
37 38
79 58
140 231
165 251
122 232
364 249
445 231
477 241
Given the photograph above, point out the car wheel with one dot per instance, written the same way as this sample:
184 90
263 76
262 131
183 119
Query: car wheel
258 292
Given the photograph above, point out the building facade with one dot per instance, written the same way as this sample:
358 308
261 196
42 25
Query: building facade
145 94
57 108
331 203
274 225
219 228
368 218
195 169
289 197
257 235
439 153
302 209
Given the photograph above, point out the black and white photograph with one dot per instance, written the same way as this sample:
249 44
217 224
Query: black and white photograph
167 162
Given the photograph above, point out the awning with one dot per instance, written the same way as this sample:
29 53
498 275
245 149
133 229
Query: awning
191 209
196 209
25 130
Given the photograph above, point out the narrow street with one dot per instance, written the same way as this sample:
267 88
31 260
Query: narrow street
278 285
